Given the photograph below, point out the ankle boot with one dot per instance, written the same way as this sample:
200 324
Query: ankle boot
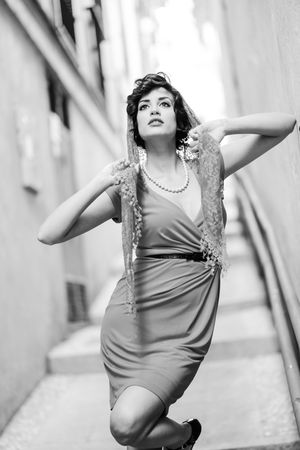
196 431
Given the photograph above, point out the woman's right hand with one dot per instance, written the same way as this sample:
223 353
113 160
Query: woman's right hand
110 173
216 128
113 175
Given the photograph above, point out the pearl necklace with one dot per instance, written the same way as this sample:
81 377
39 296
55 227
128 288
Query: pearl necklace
143 160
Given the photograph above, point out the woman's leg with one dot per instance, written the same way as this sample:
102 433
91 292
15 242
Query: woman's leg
136 421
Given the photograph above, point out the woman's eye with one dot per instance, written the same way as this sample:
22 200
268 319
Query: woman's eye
142 107
166 104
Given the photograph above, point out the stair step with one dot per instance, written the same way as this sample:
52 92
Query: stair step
239 248
243 404
232 210
242 273
233 228
80 353
243 332
241 286
237 332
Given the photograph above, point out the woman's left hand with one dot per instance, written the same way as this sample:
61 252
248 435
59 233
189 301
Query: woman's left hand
216 128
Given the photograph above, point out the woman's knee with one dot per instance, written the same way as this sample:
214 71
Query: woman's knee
130 419
124 427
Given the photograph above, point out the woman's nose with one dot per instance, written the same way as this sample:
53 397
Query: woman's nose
154 110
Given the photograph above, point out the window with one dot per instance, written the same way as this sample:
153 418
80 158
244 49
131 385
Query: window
58 100
64 22
96 38
67 17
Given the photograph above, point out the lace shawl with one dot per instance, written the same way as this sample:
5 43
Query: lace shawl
207 165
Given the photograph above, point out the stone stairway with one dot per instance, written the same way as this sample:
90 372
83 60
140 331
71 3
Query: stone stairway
240 393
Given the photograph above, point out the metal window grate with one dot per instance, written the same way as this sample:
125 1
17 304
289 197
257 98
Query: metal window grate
77 301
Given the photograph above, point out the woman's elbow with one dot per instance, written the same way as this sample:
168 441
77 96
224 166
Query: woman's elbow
290 124
45 239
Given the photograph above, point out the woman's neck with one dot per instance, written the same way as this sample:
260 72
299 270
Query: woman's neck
162 158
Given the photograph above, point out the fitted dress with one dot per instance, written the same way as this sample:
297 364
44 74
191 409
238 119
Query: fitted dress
176 301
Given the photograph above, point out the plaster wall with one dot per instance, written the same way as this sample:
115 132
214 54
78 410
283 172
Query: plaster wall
102 244
260 41
33 303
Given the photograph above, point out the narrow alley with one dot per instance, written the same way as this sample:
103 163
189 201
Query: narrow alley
240 392
68 68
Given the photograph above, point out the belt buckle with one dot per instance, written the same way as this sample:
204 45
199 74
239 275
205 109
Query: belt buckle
197 256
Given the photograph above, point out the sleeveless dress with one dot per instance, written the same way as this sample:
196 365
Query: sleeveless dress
176 301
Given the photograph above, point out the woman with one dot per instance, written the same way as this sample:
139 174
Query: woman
173 187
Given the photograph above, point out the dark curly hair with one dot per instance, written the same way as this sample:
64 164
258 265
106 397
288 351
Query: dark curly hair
143 87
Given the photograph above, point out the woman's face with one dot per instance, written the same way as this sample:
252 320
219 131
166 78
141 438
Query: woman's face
156 116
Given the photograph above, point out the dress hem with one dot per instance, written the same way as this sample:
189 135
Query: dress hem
154 389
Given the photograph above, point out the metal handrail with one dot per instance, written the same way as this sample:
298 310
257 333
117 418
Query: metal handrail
291 300
269 258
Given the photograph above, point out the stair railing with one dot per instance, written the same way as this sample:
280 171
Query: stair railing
283 300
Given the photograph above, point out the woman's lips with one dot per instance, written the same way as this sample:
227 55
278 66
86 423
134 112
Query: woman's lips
155 122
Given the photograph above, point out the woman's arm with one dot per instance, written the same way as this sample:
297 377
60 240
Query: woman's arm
266 124
265 129
81 212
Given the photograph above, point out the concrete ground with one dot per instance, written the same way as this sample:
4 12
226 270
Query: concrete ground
239 394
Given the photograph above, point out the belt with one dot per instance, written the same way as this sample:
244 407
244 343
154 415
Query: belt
195 256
